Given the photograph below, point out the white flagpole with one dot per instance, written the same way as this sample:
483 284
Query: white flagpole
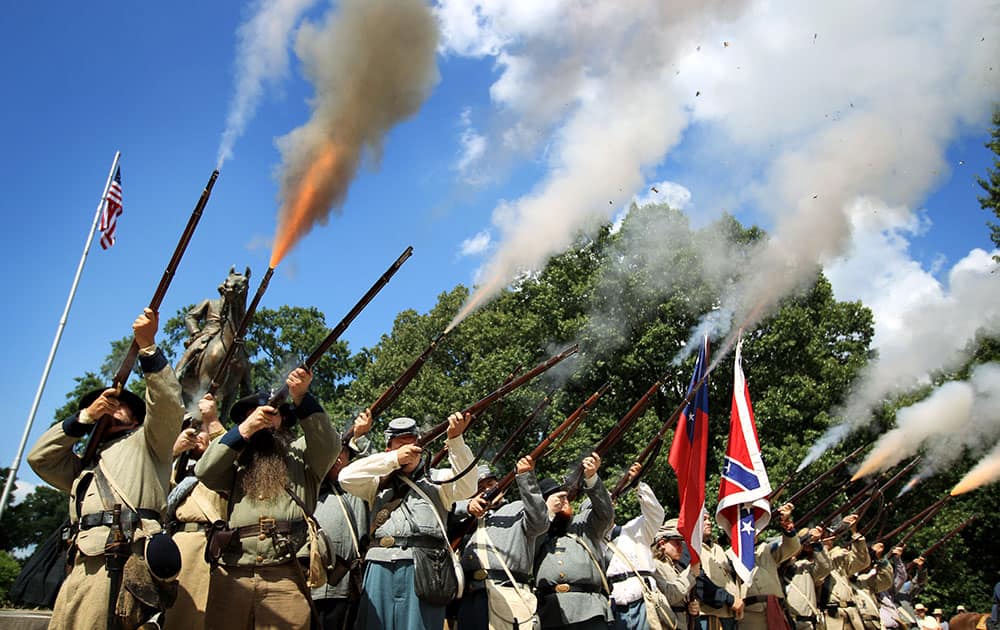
12 474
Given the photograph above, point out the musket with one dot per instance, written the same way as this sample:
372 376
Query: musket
125 369
541 449
480 405
575 480
942 541
281 395
818 480
521 428
888 484
925 520
855 500
241 331
929 510
805 518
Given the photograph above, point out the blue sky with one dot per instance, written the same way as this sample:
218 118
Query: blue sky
155 81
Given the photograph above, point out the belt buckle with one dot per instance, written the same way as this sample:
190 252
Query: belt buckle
268 526
479 574
387 541
562 588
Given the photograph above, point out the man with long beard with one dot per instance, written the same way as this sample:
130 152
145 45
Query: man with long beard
128 480
258 582
569 566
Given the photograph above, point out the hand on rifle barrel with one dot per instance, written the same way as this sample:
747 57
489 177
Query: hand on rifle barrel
186 440
363 423
633 471
144 327
264 417
457 423
298 384
851 521
408 455
591 464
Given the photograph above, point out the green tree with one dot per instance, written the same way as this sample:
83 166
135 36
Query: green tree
9 570
29 521
991 183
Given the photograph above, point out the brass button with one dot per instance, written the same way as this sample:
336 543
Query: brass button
386 541
562 575
260 559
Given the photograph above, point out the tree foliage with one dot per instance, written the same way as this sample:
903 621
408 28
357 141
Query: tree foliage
991 183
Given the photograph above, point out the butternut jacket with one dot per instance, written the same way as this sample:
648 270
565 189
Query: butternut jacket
137 466
764 579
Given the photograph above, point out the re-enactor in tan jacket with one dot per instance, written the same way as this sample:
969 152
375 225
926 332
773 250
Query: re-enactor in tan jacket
764 579
134 459
842 611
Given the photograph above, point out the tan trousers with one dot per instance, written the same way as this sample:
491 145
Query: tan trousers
245 598
753 620
188 611
82 601
848 619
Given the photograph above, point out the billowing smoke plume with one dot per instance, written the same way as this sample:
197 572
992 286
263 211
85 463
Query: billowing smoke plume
261 58
372 64
936 333
985 472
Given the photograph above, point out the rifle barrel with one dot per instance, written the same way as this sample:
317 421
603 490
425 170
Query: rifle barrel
282 394
818 480
241 332
125 369
929 510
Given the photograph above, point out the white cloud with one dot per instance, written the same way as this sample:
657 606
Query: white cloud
21 490
473 148
475 245
671 193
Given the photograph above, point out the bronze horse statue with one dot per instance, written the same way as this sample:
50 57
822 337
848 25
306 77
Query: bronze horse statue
212 325
968 621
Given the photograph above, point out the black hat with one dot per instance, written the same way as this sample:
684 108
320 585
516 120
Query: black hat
133 402
244 406
549 486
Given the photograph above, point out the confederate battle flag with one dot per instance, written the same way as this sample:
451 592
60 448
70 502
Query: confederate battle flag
744 509
688 454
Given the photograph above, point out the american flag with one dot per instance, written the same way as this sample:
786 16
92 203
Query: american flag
112 208
688 456
744 509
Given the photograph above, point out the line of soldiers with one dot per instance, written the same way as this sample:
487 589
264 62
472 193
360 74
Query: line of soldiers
262 529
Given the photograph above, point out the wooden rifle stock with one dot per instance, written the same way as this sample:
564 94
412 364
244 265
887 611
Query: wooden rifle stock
239 337
125 369
281 395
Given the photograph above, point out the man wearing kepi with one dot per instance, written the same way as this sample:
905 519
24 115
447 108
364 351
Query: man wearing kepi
499 556
409 554
569 566
630 568
272 482
115 504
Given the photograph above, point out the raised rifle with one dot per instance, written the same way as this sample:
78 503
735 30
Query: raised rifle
846 507
927 512
240 337
925 520
818 480
888 484
521 428
125 369
281 395
944 539
574 483
807 517
537 454
483 403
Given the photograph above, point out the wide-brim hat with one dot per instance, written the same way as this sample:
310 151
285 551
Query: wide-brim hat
549 486
244 406
920 607
134 403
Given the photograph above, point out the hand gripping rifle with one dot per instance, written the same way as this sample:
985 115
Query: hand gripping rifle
281 395
537 454
125 369
574 482
482 404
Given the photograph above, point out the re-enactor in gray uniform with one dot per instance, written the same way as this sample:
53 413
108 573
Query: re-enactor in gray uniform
134 461
258 582
344 519
507 540
402 519
569 575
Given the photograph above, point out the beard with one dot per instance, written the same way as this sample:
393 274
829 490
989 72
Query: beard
267 471
561 520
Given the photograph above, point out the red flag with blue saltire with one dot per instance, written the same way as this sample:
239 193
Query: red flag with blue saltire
688 455
744 509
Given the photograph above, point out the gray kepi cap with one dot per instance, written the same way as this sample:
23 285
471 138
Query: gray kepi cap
400 427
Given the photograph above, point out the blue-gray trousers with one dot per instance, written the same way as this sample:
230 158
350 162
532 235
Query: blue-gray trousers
389 600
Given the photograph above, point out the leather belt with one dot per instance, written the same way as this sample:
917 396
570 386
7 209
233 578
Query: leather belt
497 575
192 527
403 542
806 618
621 577
106 518
755 599
268 527
680 609
551 589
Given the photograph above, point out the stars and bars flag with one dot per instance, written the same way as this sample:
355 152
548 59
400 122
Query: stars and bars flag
744 509
688 454
112 210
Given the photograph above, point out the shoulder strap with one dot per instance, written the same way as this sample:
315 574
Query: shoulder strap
423 495
600 571
615 549
350 522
